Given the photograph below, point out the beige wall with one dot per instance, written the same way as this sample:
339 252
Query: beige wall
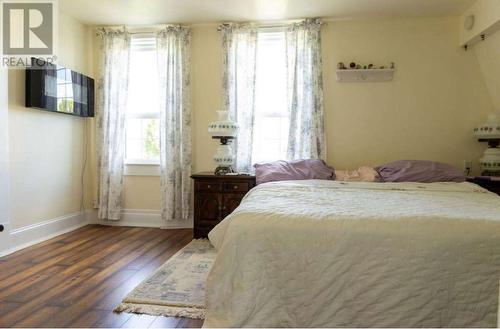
428 112
4 162
486 18
488 55
46 149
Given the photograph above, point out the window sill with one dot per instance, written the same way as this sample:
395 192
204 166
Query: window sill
142 168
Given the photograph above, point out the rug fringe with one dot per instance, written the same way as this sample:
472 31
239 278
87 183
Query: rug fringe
183 312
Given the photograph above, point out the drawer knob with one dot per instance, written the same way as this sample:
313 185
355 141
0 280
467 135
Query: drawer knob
235 187
209 186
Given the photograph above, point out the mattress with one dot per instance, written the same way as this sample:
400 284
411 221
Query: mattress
337 254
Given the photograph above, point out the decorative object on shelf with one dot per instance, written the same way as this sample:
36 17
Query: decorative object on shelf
341 66
352 65
490 132
225 130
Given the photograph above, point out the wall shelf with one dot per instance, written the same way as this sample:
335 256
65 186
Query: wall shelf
365 75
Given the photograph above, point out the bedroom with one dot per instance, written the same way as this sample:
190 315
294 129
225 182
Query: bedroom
79 234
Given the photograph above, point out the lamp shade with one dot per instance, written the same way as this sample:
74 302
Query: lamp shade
223 127
490 129
490 132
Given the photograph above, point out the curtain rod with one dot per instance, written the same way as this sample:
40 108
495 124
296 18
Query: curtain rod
270 25
274 26
151 29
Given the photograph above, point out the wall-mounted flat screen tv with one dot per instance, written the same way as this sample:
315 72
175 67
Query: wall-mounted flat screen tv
54 88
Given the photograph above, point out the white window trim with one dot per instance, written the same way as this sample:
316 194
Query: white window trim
142 167
142 162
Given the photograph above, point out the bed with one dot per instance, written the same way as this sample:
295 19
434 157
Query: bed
319 253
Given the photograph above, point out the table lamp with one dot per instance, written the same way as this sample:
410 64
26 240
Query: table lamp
225 130
490 132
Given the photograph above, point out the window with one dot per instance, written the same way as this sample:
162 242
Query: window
271 113
142 124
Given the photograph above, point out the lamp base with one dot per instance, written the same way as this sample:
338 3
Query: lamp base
491 173
490 162
222 170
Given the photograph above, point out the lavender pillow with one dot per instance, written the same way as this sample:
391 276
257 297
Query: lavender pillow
292 170
419 171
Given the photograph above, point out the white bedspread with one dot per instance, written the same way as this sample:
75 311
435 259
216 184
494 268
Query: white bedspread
326 253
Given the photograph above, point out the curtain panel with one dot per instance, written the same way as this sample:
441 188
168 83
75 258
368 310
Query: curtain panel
306 137
173 55
239 47
112 88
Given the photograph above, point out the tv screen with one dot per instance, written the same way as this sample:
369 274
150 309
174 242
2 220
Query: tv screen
55 88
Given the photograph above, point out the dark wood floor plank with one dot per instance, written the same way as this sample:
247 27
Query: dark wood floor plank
95 289
39 318
116 296
88 242
53 283
55 256
139 321
112 240
13 291
165 322
89 319
132 251
190 323
41 248
86 258
77 279
112 320
6 308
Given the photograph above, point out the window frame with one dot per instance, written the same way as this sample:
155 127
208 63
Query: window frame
268 36
133 166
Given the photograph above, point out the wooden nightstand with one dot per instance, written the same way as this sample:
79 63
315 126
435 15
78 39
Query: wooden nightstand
215 197
487 183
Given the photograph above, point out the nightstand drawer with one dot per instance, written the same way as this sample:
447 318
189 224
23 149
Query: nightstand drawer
208 186
236 187
215 197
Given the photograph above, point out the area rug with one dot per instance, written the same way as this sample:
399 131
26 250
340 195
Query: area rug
177 288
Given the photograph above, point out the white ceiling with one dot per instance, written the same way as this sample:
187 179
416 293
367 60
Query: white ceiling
146 12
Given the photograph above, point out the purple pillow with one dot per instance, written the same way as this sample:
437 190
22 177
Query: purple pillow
292 170
419 171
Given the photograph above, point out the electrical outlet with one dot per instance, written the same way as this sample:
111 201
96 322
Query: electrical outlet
467 167
95 204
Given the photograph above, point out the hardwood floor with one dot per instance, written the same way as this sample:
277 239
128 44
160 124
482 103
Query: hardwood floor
76 279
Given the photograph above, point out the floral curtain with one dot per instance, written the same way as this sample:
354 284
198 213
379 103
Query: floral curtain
305 91
239 46
173 46
111 106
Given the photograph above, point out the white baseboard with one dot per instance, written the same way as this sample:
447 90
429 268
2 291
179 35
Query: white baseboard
29 235
140 218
